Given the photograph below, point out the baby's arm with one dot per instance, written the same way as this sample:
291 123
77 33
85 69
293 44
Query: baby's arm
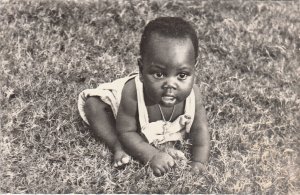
199 135
134 144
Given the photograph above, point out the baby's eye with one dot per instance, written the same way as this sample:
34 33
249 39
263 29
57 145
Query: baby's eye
158 75
182 76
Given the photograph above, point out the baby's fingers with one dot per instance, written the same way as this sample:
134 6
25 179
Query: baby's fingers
197 167
157 172
185 119
180 155
171 163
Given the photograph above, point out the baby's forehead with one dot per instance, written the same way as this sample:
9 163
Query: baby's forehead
156 37
161 43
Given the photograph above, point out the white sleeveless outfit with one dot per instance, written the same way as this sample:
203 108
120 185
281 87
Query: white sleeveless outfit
111 93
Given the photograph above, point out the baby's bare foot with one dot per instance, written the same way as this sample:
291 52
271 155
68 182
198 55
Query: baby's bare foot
120 158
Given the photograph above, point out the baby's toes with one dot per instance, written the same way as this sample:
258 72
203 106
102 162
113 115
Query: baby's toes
125 159
122 160
117 163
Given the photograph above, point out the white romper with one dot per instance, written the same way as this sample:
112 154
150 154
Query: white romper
111 93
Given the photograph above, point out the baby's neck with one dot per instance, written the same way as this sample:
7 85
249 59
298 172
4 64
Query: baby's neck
155 114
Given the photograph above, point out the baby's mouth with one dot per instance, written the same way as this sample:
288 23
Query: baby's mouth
168 99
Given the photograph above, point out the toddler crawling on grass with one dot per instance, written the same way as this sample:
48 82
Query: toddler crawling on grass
159 105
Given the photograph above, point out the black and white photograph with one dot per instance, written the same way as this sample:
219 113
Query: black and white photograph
150 97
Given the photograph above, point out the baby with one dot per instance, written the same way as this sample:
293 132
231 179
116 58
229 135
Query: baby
159 105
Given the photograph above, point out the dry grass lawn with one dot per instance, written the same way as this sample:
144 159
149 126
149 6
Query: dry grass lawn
249 74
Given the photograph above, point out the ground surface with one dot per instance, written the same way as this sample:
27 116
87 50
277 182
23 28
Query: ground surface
249 75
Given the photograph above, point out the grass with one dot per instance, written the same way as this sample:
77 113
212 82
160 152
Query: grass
249 76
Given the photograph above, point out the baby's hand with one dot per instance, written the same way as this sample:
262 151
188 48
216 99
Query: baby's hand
175 154
161 163
197 167
184 120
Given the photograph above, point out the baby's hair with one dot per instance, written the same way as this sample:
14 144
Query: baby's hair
172 27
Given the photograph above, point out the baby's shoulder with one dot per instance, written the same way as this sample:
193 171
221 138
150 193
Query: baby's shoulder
129 90
128 98
198 95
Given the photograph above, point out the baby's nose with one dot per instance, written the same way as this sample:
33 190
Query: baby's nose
171 83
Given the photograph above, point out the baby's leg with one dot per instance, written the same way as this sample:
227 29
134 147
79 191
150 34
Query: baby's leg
103 125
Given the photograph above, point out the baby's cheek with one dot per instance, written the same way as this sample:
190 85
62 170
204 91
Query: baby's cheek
154 93
185 93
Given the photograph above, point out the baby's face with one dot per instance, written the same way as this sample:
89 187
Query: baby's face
168 70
